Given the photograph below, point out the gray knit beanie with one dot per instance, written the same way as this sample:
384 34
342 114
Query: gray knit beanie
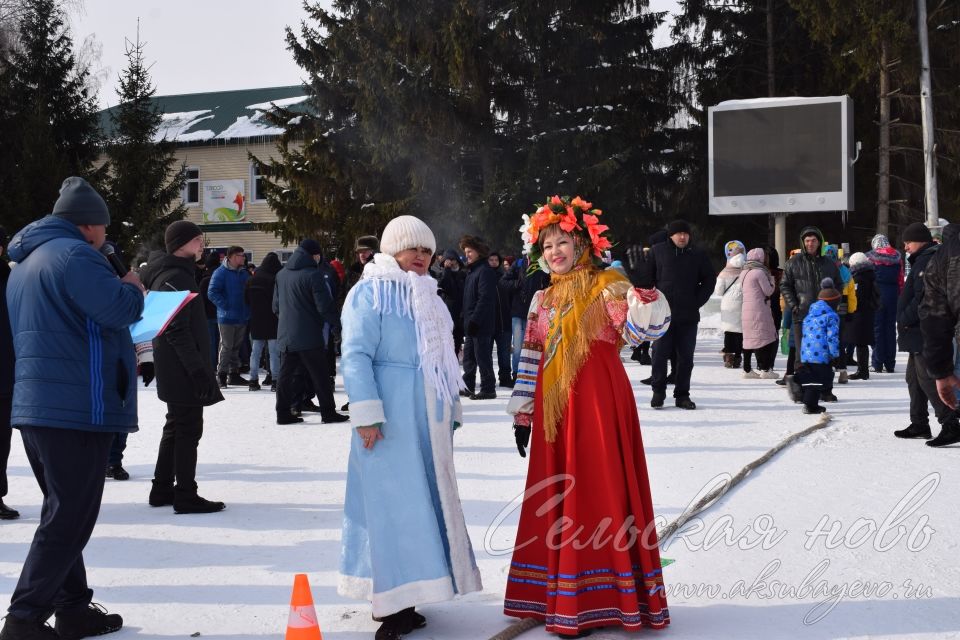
80 203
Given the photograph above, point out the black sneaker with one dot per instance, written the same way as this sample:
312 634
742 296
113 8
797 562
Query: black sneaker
781 381
466 393
861 375
334 417
814 409
288 418
254 385
656 401
192 503
950 434
686 403
15 628
117 472
484 395
915 431
91 621
237 380
647 380
828 397
6 513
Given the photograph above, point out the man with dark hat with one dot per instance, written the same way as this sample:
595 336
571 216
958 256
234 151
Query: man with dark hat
6 381
306 311
73 390
481 319
184 374
363 249
685 276
921 385
939 323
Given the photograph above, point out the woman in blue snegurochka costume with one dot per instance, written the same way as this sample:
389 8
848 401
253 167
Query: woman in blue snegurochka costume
405 540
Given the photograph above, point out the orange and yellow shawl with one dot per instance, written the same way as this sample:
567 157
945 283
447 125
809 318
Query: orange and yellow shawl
579 314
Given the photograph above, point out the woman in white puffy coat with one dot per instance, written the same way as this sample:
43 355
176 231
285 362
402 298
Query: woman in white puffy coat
731 303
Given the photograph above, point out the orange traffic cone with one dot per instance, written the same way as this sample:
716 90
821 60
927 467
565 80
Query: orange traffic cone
302 624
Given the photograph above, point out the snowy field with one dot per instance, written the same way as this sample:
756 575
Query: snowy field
753 566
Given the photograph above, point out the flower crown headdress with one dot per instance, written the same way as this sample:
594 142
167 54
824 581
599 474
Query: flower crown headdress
575 216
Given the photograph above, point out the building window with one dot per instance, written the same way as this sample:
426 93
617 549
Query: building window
191 189
257 173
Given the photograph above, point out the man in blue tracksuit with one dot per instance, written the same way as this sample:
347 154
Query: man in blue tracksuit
74 389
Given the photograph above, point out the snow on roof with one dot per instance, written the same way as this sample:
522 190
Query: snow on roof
174 125
250 127
283 102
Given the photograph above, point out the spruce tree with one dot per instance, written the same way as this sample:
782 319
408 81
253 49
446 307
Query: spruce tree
468 113
48 118
143 182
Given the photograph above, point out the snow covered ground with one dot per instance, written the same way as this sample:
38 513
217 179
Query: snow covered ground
755 570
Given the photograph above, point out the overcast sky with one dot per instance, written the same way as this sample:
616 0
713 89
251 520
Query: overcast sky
202 45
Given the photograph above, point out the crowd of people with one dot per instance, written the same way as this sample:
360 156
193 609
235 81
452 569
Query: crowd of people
555 319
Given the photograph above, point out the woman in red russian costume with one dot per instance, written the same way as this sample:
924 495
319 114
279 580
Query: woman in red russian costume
586 554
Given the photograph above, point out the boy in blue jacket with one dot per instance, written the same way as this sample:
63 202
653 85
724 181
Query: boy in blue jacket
820 347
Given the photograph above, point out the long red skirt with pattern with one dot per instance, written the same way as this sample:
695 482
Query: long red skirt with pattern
586 553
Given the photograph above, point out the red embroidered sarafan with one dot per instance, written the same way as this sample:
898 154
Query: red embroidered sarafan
586 553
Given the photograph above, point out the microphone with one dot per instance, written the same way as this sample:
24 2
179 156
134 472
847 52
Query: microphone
114 259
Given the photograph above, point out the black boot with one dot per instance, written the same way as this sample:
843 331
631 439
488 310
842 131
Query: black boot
15 628
915 431
237 379
268 380
190 502
161 495
222 379
811 400
396 625
6 513
288 418
89 621
254 385
949 434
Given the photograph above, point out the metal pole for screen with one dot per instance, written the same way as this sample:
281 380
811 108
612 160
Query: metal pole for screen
926 113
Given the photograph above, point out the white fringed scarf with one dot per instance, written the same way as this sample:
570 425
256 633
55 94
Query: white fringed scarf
406 294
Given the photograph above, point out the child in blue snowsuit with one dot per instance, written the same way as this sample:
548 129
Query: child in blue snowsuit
820 346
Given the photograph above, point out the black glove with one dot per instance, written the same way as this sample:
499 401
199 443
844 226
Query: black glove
205 385
147 373
473 329
522 436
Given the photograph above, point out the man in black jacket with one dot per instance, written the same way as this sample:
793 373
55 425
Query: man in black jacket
186 380
921 386
939 320
686 278
481 320
6 381
305 306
